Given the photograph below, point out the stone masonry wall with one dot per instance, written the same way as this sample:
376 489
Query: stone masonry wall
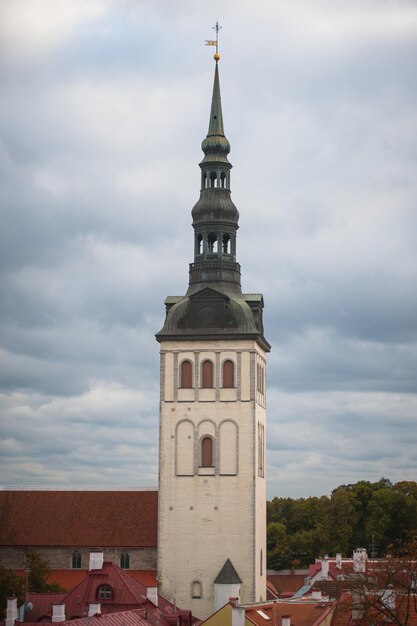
61 557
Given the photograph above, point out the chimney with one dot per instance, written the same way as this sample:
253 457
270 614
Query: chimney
316 594
11 614
94 608
325 568
58 612
238 616
388 598
359 560
96 561
339 560
152 595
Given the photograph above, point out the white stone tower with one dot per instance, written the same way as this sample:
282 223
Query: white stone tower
212 496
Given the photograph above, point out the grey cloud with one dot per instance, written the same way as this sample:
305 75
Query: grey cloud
100 140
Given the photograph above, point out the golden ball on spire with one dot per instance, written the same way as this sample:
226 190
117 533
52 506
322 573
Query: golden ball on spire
216 56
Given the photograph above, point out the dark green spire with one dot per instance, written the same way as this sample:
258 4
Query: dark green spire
215 217
216 116
215 146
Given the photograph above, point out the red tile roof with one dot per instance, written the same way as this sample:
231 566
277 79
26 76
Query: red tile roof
285 583
78 518
301 614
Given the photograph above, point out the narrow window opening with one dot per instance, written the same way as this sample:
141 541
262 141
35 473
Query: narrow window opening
76 560
199 244
207 375
228 374
213 179
186 375
226 244
212 243
223 179
207 452
196 591
125 560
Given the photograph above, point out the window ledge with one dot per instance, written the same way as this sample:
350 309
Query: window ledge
206 471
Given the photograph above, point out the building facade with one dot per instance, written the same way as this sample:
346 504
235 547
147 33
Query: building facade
64 526
212 494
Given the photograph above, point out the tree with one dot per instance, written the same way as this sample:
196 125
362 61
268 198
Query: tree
38 573
342 518
10 586
279 554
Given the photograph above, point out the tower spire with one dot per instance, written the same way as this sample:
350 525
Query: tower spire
215 217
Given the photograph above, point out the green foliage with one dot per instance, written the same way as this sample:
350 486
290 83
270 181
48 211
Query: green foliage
365 514
38 573
10 586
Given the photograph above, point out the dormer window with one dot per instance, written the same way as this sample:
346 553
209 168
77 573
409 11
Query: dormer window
104 592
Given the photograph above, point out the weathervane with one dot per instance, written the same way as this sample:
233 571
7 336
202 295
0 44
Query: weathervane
215 42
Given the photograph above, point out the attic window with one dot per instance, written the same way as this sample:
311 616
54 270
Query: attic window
264 615
104 592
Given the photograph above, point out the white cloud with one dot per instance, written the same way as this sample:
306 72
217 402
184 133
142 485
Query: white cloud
30 29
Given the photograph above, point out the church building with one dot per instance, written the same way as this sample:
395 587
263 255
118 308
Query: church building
212 492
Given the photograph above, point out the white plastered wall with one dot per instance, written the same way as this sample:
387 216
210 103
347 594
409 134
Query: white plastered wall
209 514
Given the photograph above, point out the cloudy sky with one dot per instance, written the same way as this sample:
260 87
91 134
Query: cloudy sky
104 104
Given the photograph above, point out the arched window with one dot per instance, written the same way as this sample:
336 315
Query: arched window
223 179
226 244
125 560
186 375
213 179
212 243
199 247
207 375
228 374
204 181
207 452
76 560
196 589
104 592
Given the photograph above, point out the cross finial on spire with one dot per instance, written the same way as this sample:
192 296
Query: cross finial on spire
215 42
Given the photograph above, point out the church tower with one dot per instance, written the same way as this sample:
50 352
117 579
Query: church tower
212 495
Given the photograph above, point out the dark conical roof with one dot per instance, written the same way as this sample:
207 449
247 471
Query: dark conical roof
227 575
216 146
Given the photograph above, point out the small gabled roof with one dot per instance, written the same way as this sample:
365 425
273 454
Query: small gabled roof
227 575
